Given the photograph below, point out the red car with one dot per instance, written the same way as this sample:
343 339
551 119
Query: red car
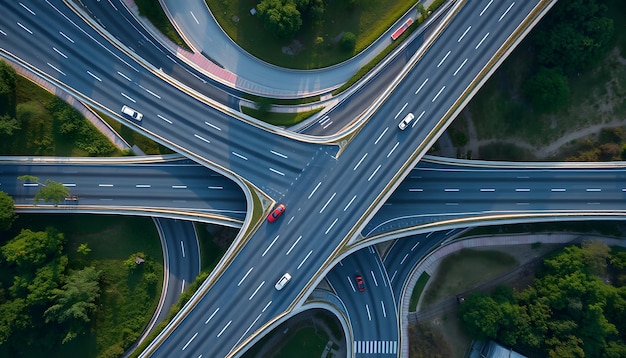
360 284
278 211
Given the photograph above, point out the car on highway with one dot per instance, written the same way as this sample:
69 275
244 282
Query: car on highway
360 284
278 211
405 121
282 282
132 113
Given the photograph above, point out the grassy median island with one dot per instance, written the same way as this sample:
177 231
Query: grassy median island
128 297
316 44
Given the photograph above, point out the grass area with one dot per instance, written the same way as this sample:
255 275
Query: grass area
153 11
280 119
127 301
597 96
367 20
417 290
462 270
214 241
41 131
147 145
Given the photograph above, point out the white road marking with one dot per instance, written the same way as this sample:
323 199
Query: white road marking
223 329
418 119
481 41
105 185
216 187
194 18
59 71
465 33
255 291
374 277
404 259
438 93
212 126
382 305
66 37
351 285
307 256
27 9
69 184
110 3
594 189
128 97
314 190
239 155
485 9
266 306
182 286
192 338
179 186
351 200
506 12
294 245
394 276
460 67
244 333
359 163
331 226
416 190
59 52
152 93
374 173
451 190
369 316
165 119
443 59
244 276
2 32
328 202
182 248
392 149
214 312
487 189
143 186
278 154
202 138
381 135
420 88
400 111
94 76
559 189
522 190
414 246
277 172
593 203
523 203
25 28
290 220
123 75
269 247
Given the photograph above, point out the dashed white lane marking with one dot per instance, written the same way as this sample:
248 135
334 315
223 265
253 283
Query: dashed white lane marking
189 341
331 226
460 67
216 187
294 245
194 18
212 126
522 190
59 52
179 186
255 291
506 12
105 185
360 161
152 93
485 9
374 173
143 186
128 97
269 247
443 59
400 111
202 138
381 135
382 305
27 9
392 149
223 329
25 28
487 189
277 172
239 155
374 278
557 189
420 87
304 260
59 71
94 76
351 200
418 119
278 154
182 248
165 119
328 202
266 306
594 189
369 316
481 41
438 93
314 190
124 76
66 37
214 312
244 276
465 33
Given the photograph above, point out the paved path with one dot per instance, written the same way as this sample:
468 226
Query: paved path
194 21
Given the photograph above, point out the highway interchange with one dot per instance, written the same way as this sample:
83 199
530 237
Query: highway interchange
335 189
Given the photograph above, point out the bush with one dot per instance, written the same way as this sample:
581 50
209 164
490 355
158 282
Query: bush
348 41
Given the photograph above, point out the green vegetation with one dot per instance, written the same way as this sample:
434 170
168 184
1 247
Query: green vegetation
608 228
427 342
576 307
317 42
417 290
153 11
279 119
7 211
33 121
463 270
147 145
127 298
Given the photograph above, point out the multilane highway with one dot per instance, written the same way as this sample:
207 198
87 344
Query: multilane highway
340 191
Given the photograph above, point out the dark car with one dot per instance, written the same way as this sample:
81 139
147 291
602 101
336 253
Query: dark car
360 284
278 211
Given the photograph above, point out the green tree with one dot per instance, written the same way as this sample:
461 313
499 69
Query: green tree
596 254
280 17
8 125
548 89
13 318
83 249
75 302
52 192
31 249
348 41
7 211
481 316
8 80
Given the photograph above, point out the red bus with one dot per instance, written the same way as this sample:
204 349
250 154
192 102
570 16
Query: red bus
401 29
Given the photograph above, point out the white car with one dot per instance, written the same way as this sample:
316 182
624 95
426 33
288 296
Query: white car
131 112
282 282
405 121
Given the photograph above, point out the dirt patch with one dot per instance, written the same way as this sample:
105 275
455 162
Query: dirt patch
294 48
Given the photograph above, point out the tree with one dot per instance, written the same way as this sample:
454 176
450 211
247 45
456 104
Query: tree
32 249
7 211
8 80
280 17
548 89
8 125
348 41
481 316
13 317
75 302
52 191
596 254
83 249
